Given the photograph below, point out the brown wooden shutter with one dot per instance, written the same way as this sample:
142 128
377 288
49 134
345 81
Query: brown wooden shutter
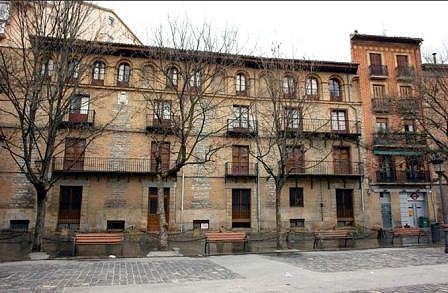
375 59
378 91
405 91
341 156
74 154
240 159
402 61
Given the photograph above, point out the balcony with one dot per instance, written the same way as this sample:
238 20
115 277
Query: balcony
80 118
404 72
162 126
378 71
406 176
296 127
382 104
239 127
324 168
238 169
408 105
112 166
399 140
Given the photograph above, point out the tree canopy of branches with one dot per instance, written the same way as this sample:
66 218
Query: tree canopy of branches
40 80
186 78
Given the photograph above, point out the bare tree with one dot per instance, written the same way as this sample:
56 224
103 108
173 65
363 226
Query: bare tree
290 125
186 78
42 67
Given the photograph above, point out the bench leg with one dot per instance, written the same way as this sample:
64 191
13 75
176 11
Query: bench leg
244 246
345 243
74 249
121 249
205 248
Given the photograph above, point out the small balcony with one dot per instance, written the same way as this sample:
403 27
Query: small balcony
240 169
240 127
296 127
378 71
404 72
382 105
161 125
403 177
82 118
408 104
324 168
112 166
399 140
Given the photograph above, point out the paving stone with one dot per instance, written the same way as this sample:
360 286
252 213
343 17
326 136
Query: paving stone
44 277
365 259
425 288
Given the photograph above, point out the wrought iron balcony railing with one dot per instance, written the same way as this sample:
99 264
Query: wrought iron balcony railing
382 104
161 124
404 72
405 176
242 127
378 71
408 104
399 139
240 169
79 118
108 165
298 126
324 168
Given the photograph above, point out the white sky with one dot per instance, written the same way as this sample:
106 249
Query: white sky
314 30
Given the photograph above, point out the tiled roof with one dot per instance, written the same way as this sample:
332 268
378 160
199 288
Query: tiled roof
387 39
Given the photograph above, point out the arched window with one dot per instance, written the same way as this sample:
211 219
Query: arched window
124 74
289 86
335 90
47 68
172 78
240 84
73 70
195 80
312 88
98 73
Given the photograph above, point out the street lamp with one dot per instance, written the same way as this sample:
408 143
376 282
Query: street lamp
437 162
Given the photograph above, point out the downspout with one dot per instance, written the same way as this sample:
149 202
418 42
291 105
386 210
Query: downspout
257 187
359 149
182 203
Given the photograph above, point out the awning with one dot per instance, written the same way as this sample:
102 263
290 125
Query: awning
397 152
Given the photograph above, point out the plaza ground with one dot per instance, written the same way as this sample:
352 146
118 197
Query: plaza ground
409 269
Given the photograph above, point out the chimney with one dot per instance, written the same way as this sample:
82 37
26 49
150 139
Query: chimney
356 31
434 59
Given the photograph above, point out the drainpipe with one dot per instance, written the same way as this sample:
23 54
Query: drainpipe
182 203
359 149
257 187
434 59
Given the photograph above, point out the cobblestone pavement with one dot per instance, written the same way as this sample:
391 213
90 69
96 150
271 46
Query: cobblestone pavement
54 276
425 288
365 259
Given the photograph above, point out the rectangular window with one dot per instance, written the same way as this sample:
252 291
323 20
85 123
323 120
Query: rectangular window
339 120
160 151
297 223
79 104
379 91
74 154
201 224
375 59
405 91
240 159
4 11
19 225
240 116
296 197
409 126
115 226
402 61
292 117
381 125
162 110
341 157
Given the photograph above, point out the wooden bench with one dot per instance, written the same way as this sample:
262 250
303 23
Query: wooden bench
224 237
399 232
332 235
97 238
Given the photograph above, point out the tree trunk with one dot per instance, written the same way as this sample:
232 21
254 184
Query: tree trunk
40 221
163 234
278 222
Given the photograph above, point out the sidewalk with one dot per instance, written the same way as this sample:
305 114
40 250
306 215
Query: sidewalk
339 271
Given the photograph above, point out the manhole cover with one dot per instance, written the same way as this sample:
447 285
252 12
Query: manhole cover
4 275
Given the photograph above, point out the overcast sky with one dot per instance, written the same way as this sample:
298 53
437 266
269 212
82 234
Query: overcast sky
315 30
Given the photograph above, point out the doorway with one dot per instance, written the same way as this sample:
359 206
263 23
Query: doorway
153 204
344 206
386 210
240 208
69 216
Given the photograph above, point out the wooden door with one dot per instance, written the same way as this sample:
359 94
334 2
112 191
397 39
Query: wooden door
162 149
344 204
240 159
341 157
402 61
241 208
295 162
375 64
74 154
70 205
153 215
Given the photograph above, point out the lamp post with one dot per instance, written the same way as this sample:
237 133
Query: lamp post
437 162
